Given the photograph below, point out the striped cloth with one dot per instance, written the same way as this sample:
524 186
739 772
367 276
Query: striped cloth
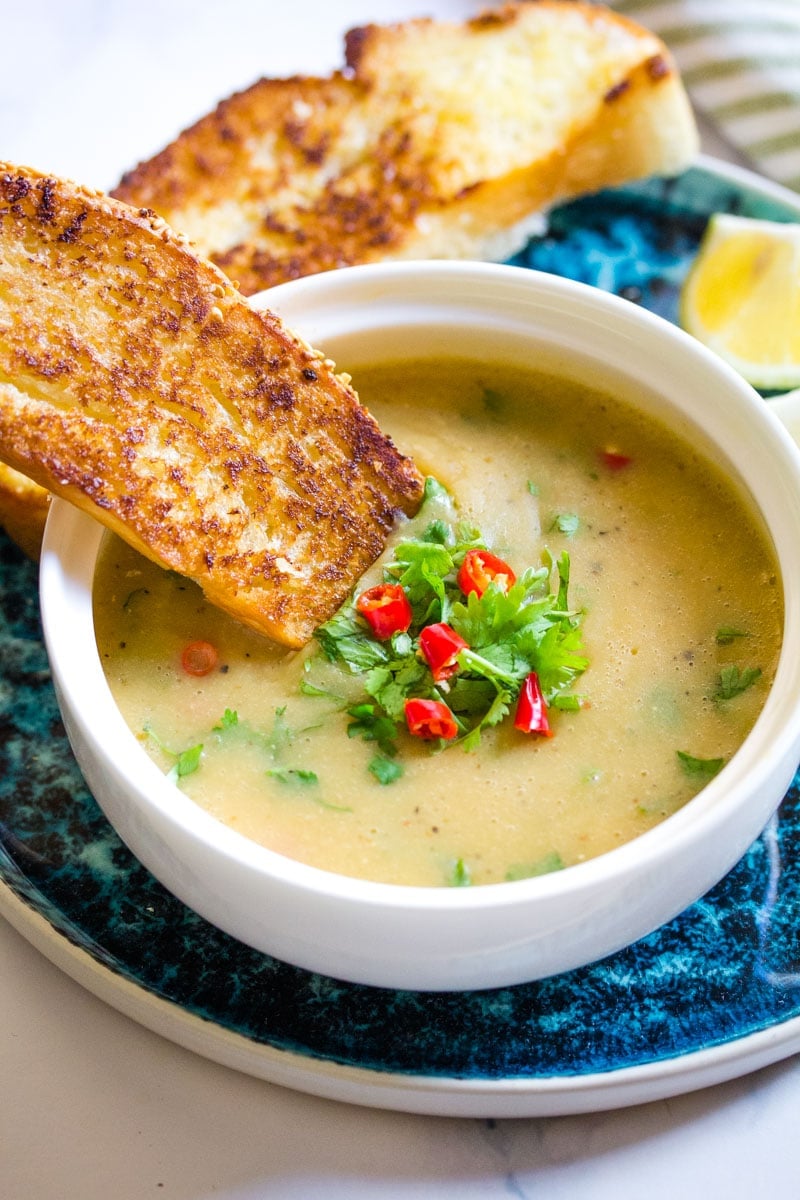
740 60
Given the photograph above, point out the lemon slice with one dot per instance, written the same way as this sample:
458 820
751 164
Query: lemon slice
741 298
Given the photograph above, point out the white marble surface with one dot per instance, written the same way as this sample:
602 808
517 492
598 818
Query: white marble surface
94 1106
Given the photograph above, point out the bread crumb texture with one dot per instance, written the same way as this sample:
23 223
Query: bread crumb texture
435 140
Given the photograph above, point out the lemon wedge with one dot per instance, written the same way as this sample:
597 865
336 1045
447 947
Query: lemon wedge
741 298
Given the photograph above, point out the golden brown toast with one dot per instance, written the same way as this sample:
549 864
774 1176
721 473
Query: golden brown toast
437 140
137 383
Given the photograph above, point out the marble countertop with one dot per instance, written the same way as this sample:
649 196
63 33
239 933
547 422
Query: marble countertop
94 1105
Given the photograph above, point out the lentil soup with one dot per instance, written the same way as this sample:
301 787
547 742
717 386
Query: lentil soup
681 617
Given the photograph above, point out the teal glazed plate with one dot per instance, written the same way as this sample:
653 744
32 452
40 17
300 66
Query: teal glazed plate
712 995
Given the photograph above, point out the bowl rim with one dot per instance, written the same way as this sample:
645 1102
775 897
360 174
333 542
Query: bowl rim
69 532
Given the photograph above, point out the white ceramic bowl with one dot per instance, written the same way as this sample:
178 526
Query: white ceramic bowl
426 938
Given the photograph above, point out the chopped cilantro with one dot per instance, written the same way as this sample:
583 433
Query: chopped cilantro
563 569
700 768
726 634
460 875
533 488
297 775
509 634
186 763
566 523
543 866
498 709
437 531
345 639
385 770
435 491
228 720
281 735
733 681
373 726
293 775
310 689
470 696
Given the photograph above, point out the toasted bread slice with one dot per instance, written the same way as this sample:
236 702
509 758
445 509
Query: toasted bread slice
438 140
136 382
23 510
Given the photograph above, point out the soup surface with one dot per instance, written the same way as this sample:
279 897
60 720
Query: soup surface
681 622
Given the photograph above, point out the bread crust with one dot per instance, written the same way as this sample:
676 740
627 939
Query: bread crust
436 140
23 510
136 382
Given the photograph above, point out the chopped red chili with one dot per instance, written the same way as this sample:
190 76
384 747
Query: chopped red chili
479 569
429 719
386 609
615 460
531 714
199 658
441 646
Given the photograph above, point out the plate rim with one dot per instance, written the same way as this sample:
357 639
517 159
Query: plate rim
435 1095
428 1095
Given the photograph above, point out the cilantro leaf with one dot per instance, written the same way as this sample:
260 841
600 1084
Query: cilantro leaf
385 770
726 634
471 696
310 689
373 726
556 658
293 775
497 710
438 531
345 639
297 775
543 866
733 681
436 492
563 569
228 720
703 768
281 735
566 523
187 763
460 876
420 567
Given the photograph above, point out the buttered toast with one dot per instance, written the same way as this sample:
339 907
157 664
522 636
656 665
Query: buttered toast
137 383
437 140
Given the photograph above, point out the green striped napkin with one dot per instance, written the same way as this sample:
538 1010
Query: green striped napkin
740 60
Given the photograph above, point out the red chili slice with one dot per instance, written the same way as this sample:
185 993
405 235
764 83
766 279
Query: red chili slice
531 714
429 719
479 569
615 460
441 646
386 609
199 658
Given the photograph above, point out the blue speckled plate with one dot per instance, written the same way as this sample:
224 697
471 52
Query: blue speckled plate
709 996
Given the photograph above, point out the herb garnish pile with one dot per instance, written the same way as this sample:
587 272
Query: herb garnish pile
503 630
